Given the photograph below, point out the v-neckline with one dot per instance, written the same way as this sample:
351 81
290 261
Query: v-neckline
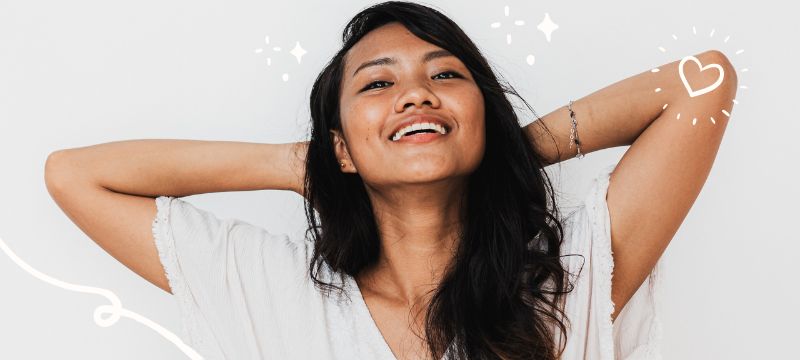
361 304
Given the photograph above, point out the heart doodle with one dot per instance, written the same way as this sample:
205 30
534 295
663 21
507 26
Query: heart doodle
693 93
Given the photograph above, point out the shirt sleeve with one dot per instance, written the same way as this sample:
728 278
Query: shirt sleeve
224 274
636 332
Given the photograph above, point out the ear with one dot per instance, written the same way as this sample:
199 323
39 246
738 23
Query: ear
342 155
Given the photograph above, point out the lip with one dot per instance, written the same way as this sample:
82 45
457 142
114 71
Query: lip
419 118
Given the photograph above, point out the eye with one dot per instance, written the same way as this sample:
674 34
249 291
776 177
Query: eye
454 73
369 86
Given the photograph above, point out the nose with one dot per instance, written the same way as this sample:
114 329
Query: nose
418 95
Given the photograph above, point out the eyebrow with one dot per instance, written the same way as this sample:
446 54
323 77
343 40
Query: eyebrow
435 54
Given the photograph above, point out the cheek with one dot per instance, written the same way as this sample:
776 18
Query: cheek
471 110
478 102
478 110
363 120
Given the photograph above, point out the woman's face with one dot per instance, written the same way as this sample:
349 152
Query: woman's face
378 98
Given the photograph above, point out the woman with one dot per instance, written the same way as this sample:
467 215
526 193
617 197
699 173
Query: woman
429 210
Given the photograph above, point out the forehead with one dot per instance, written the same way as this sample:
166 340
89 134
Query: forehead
392 39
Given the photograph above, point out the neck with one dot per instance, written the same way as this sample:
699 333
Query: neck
419 231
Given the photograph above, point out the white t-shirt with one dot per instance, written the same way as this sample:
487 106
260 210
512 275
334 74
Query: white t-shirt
244 293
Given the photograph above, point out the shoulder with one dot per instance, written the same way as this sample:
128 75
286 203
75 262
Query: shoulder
201 249
588 257
590 216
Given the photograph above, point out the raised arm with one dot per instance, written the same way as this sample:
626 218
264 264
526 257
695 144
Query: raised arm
673 138
107 190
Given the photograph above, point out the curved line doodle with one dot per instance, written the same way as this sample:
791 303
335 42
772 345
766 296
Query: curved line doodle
115 310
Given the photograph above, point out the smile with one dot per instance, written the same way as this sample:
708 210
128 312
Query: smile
417 137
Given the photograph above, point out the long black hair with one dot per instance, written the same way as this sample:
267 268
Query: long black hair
502 295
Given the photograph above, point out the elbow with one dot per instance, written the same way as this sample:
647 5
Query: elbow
56 170
730 82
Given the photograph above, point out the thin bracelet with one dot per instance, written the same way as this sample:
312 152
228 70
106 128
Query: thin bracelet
573 134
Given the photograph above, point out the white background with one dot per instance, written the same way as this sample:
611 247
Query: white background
76 73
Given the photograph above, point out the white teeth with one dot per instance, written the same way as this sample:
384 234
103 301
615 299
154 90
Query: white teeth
418 126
